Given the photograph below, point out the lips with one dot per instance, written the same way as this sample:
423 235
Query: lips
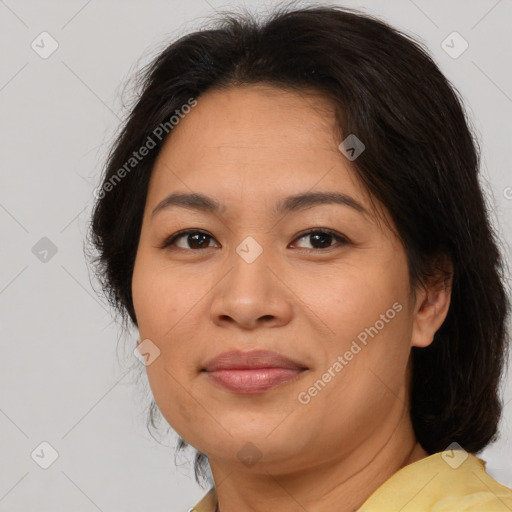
238 360
252 372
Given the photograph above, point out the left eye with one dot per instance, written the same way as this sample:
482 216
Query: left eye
322 238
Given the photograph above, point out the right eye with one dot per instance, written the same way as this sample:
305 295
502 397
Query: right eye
193 240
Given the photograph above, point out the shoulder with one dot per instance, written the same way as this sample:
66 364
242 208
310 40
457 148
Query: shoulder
476 490
454 481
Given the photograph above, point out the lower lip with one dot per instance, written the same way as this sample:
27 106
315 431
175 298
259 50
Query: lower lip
256 380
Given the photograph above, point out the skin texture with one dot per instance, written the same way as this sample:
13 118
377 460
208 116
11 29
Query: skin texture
248 147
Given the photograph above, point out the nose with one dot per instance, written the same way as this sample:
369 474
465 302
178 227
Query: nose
252 295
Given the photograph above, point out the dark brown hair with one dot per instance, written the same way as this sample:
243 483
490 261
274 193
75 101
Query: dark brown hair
421 162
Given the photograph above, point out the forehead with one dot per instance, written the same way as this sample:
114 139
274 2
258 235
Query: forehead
260 112
254 132
254 124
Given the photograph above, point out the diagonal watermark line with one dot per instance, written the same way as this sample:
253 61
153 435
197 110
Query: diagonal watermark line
282 421
491 491
85 289
332 332
222 480
177 177
13 279
13 13
81 490
390 390
492 81
91 91
14 76
309 190
73 219
97 402
499 1
83 177
210 5
75 15
13 217
424 13
286 491
107 325
405 504
14 485
14 423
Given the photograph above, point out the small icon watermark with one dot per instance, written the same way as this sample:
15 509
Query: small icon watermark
44 250
454 455
44 45
352 147
454 45
44 455
249 249
146 352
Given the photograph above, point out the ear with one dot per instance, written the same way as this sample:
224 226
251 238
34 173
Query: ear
431 307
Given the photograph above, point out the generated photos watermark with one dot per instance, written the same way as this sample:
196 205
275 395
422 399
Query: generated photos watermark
150 143
304 397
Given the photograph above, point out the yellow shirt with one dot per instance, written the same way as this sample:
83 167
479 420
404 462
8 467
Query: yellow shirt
450 481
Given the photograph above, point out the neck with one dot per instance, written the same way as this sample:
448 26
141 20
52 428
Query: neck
341 484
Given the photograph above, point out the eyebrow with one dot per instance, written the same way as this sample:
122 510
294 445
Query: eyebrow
292 203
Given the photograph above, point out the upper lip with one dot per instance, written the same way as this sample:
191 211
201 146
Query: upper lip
239 360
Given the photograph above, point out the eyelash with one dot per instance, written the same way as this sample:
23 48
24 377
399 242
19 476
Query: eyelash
169 241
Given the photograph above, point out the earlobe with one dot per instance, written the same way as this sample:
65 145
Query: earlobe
432 305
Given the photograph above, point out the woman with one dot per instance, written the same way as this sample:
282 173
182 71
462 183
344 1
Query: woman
292 219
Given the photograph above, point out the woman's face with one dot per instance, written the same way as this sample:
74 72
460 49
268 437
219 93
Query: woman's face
254 279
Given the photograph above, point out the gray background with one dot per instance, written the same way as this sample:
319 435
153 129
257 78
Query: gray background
65 372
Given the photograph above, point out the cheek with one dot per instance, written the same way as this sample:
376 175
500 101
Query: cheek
161 316
160 297
171 393
165 306
353 299
365 309
362 380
